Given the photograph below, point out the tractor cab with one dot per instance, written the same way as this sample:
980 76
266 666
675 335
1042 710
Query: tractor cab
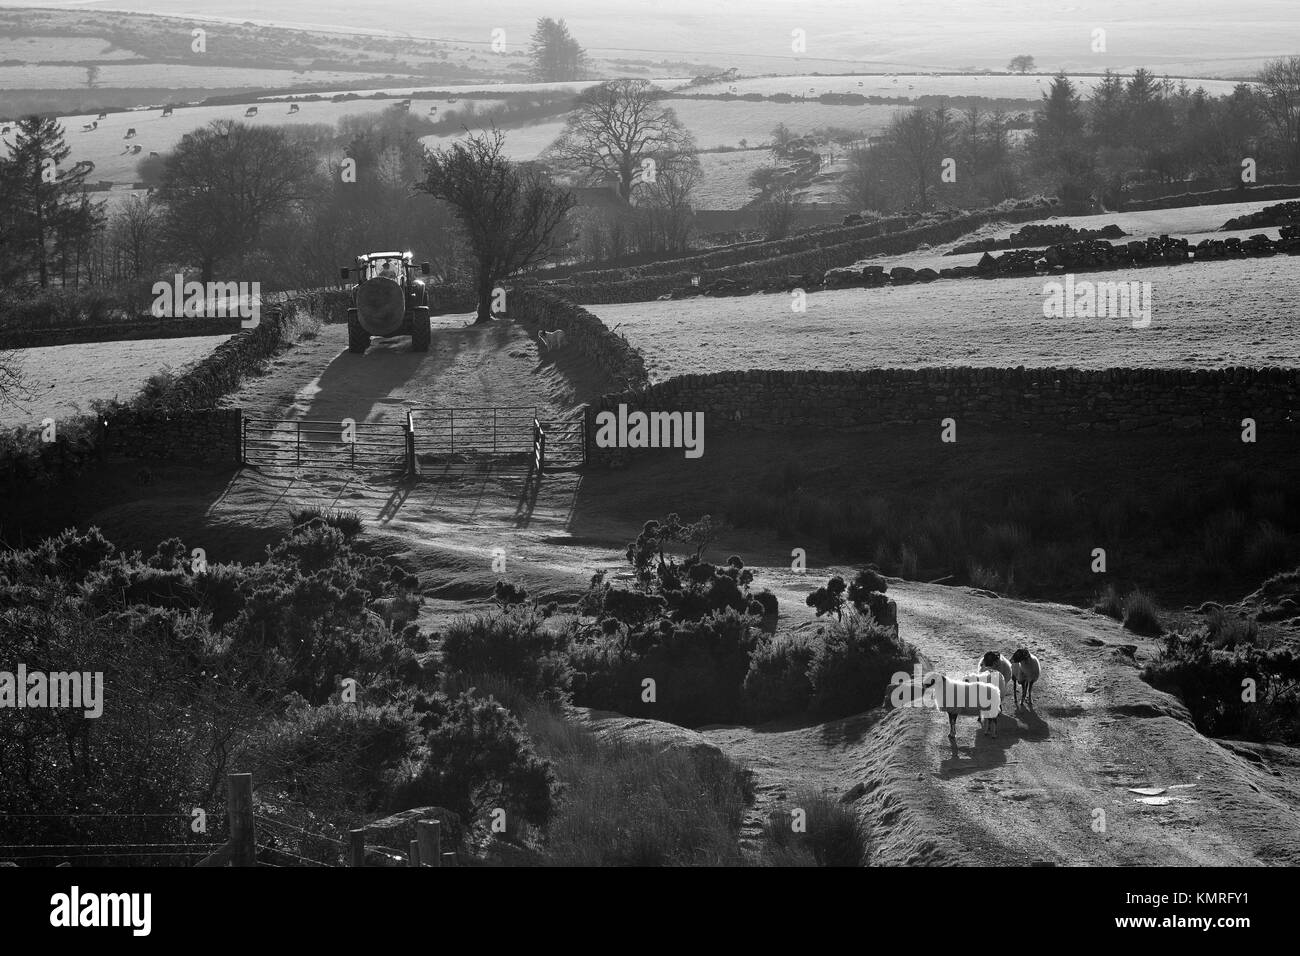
391 265
388 299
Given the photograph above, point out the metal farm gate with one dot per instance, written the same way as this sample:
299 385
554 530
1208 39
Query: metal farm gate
433 437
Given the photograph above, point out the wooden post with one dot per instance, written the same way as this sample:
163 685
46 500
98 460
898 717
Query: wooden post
413 858
449 858
356 848
239 811
411 466
430 840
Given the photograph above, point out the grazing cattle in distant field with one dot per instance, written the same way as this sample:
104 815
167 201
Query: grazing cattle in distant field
251 111
293 107
102 116
153 154
129 133
87 128
167 111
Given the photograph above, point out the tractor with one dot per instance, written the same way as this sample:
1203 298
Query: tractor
388 300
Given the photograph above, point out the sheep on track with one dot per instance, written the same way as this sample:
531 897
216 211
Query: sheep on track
1025 671
958 698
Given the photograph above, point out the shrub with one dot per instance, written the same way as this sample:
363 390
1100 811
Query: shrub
698 667
343 756
834 836
777 683
634 804
852 665
348 522
1210 683
1110 603
480 758
1226 631
1141 615
514 645
768 602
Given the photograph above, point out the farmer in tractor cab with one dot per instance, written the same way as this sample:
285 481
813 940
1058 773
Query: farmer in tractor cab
388 270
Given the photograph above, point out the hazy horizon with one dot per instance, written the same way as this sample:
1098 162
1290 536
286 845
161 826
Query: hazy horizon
1189 37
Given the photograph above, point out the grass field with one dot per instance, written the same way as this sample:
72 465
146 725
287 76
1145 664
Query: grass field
44 49
1203 316
171 75
1200 36
64 379
1028 86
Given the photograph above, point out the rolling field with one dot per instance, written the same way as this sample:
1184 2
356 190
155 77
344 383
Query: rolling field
42 49
155 133
64 379
1029 86
723 123
170 75
1203 316
1187 36
1193 223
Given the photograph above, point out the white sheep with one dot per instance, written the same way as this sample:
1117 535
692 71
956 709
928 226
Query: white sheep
961 698
1025 671
994 661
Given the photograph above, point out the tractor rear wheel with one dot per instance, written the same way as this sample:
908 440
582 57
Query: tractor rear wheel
358 337
420 332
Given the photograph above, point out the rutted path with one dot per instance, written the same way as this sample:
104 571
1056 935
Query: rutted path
1054 785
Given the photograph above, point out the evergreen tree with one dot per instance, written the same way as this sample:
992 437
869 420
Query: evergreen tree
47 214
556 55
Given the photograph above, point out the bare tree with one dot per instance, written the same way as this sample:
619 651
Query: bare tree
134 232
617 127
511 215
13 390
221 186
1280 83
666 207
776 212
1021 64
919 139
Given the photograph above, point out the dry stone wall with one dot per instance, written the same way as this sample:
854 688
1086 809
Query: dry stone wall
1074 400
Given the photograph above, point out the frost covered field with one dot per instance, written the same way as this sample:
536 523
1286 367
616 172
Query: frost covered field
1243 312
64 379
1174 36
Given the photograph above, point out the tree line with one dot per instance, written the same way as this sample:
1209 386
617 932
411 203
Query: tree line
1087 147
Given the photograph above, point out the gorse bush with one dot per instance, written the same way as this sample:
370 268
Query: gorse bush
777 683
515 645
852 664
295 668
1211 681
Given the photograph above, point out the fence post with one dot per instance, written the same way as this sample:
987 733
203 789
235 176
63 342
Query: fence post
297 442
494 430
411 470
239 811
452 430
356 848
541 450
243 440
413 858
429 833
